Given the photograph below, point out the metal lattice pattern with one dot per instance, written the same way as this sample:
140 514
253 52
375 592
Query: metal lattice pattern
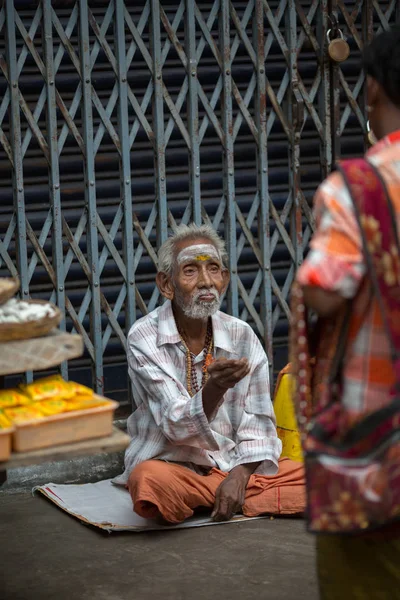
117 122
359 21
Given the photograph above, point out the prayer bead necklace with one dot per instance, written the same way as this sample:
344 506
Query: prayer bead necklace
192 383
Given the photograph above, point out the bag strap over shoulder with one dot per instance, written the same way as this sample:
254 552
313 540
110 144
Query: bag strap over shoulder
376 218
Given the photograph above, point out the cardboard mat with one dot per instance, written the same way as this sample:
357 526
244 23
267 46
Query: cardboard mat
109 507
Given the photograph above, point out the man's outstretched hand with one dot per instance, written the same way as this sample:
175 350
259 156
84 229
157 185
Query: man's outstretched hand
226 373
223 374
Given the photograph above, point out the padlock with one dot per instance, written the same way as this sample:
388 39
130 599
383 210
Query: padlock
338 48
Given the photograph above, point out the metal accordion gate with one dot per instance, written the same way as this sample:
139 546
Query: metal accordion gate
119 120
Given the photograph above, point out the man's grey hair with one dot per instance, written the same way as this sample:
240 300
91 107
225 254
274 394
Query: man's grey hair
167 254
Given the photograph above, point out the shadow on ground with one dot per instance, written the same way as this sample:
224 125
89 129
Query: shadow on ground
46 554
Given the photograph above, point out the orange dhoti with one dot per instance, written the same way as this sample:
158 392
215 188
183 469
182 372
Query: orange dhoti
173 492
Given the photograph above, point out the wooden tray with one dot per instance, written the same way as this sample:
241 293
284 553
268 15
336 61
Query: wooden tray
30 329
65 428
5 443
116 442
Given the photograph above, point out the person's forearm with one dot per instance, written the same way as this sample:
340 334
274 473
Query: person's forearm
244 471
212 396
324 303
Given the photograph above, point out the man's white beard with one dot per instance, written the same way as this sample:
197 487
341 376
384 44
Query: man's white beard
196 309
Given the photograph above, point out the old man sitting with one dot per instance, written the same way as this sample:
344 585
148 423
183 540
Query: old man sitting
203 433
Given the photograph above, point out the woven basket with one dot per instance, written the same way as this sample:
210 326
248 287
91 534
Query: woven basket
9 286
30 329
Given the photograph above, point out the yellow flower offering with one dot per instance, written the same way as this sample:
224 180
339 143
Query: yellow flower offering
80 389
51 407
11 397
5 423
84 403
22 414
49 387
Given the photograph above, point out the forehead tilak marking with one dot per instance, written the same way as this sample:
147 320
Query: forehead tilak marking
198 252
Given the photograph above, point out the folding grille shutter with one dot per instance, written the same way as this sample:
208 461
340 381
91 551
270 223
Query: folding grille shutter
119 120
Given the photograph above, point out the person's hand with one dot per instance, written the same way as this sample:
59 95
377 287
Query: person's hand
225 373
229 498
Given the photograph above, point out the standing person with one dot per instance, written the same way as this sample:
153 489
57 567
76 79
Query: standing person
334 275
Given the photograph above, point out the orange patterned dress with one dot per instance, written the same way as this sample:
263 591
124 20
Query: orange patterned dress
357 566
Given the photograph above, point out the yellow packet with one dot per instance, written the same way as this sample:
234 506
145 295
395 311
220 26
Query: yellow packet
51 407
11 397
48 387
21 414
84 403
80 389
4 422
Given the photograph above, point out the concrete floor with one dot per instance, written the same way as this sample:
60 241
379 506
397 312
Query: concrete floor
46 554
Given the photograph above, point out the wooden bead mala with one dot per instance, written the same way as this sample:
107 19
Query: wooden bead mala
192 383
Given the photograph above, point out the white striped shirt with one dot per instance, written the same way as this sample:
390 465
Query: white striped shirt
170 425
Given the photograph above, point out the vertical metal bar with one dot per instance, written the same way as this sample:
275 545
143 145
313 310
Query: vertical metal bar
158 119
368 21
18 177
296 114
335 99
90 194
125 164
367 32
193 112
228 166
54 173
262 182
325 93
